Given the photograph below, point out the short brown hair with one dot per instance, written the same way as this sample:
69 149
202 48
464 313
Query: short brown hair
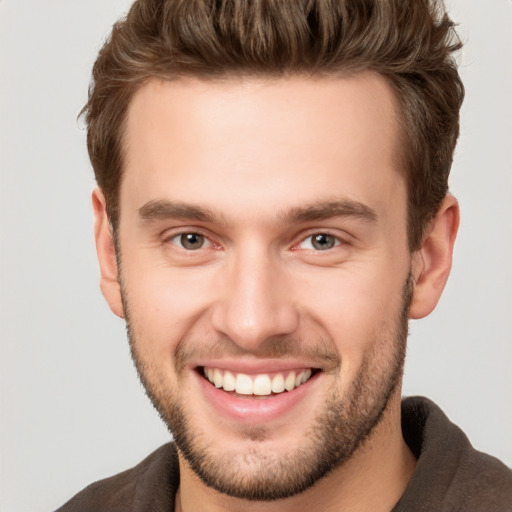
409 42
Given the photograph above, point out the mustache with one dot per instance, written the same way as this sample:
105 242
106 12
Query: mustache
319 351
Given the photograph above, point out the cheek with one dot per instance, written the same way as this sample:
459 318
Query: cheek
356 308
164 304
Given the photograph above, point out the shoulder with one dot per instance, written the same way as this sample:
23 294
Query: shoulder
482 480
150 485
450 474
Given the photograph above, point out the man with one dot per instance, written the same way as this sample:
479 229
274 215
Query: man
272 209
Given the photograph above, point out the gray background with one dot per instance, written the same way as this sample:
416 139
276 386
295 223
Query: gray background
72 410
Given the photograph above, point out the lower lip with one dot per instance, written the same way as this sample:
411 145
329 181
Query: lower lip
255 409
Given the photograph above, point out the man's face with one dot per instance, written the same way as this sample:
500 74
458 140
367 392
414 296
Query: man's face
265 271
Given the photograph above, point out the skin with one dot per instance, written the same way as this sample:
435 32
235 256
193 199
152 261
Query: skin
255 153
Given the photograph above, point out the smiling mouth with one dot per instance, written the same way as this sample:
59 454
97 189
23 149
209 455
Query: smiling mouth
260 385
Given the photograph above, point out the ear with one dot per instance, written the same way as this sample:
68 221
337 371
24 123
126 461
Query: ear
105 248
433 261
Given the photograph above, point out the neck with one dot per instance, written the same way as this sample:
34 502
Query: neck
373 479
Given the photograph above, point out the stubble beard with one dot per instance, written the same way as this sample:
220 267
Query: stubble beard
345 423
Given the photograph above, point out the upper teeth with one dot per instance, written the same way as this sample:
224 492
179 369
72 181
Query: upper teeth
262 384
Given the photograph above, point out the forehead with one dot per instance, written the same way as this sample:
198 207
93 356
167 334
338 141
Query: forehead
254 144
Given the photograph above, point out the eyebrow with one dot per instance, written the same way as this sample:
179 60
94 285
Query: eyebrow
162 209
331 209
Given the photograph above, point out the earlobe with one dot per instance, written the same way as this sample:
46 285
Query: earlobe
432 262
105 248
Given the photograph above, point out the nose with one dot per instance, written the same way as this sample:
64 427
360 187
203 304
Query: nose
255 302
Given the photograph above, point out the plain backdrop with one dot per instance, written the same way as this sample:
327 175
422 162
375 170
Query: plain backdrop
72 409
